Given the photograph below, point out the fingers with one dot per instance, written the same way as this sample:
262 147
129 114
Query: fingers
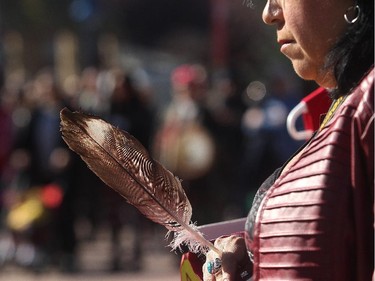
206 275
210 268
233 257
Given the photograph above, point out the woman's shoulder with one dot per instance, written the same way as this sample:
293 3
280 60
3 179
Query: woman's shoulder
361 100
364 92
360 107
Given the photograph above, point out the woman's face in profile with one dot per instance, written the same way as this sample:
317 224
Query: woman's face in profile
306 31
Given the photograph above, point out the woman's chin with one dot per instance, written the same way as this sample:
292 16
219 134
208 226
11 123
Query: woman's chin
324 78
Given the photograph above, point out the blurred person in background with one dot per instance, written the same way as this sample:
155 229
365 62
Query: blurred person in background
267 144
226 108
183 140
90 96
39 206
5 133
131 108
313 218
261 123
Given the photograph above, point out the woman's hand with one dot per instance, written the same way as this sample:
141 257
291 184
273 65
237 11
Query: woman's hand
233 265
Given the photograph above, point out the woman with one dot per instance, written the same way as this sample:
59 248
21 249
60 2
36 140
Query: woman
313 218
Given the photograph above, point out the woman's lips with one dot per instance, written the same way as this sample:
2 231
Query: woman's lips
284 44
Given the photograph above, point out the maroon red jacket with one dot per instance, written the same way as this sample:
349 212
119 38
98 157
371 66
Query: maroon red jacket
316 222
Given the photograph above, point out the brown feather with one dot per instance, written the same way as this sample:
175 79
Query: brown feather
121 162
124 164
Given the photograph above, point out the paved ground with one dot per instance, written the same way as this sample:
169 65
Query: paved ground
86 277
158 263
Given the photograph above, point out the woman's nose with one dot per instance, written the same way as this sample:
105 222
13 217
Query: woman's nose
272 13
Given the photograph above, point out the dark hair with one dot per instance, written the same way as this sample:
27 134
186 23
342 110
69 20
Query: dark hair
353 55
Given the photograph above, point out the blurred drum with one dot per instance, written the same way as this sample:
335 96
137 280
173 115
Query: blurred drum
196 152
188 151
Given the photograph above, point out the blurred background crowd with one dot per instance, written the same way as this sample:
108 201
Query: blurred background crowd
198 82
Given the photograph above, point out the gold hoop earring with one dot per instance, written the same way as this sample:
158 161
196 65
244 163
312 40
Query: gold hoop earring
349 13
